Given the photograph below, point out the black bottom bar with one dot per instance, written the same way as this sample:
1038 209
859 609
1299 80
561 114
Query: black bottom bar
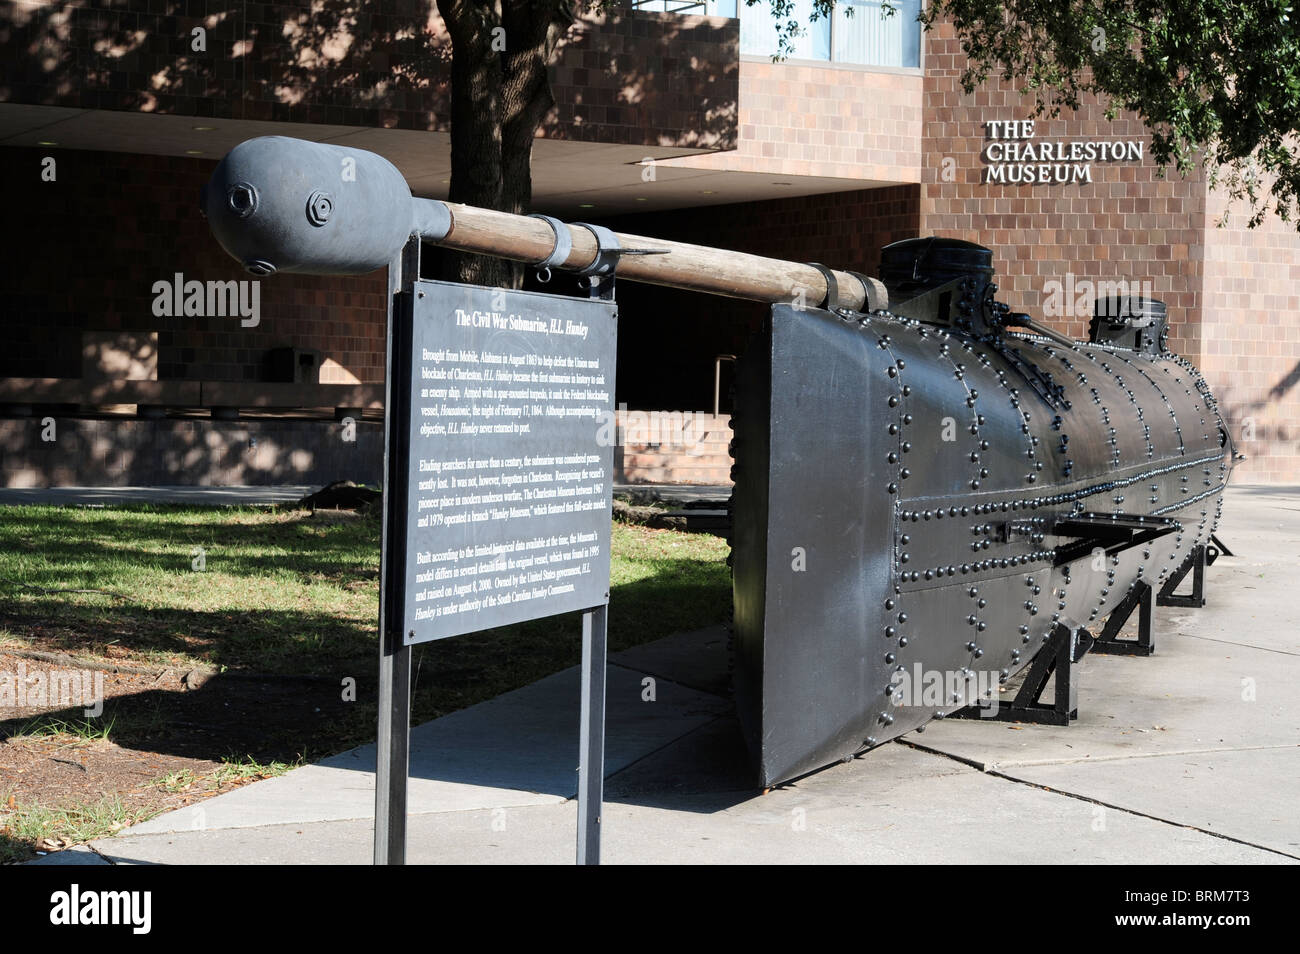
1237 899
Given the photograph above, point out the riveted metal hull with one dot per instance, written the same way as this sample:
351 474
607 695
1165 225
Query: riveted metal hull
901 513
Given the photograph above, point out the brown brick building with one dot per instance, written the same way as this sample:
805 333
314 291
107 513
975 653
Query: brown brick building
666 124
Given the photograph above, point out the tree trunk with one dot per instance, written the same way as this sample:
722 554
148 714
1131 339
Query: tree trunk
501 93
536 28
476 171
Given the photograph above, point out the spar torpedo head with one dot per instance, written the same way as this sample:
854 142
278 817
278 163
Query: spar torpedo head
287 205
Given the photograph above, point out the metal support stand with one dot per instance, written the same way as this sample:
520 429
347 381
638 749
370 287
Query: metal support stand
392 752
591 735
1141 598
1064 648
1195 563
393 738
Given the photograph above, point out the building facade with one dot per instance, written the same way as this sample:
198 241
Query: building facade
667 123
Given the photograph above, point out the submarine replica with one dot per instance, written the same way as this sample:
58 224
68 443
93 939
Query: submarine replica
933 495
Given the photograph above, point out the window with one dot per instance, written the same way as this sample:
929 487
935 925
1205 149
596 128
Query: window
865 38
697 7
760 31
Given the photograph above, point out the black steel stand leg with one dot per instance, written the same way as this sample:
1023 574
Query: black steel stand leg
1142 599
1214 538
1056 658
393 738
1198 580
1066 702
591 742
1195 564
1147 619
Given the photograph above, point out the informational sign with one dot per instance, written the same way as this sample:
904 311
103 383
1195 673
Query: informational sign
509 442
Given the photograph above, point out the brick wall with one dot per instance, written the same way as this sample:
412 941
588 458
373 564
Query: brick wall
1251 338
804 120
625 78
1128 224
129 452
668 338
93 243
672 447
647 79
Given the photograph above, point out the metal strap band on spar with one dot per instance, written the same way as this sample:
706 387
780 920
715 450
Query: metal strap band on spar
559 252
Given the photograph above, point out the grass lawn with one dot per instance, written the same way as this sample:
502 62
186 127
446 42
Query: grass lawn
285 591
277 610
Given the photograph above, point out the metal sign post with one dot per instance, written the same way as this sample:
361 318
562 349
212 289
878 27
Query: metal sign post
499 462
393 736
591 745
392 752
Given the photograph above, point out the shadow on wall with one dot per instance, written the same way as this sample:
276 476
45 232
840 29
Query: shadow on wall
1254 436
383 63
660 80
67 452
309 61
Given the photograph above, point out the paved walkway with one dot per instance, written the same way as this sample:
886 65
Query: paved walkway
110 496
678 493
1189 756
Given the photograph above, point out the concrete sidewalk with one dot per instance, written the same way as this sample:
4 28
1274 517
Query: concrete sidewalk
1189 756
115 496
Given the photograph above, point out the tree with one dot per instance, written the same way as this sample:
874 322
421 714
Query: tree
1214 80
500 94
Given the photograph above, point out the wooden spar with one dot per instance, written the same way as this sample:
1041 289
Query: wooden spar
370 228
691 267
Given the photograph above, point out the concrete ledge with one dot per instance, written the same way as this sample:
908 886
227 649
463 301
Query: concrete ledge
135 452
110 496
77 391
284 395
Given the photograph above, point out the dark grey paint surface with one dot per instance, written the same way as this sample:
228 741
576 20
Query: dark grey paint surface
897 488
813 533
433 533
